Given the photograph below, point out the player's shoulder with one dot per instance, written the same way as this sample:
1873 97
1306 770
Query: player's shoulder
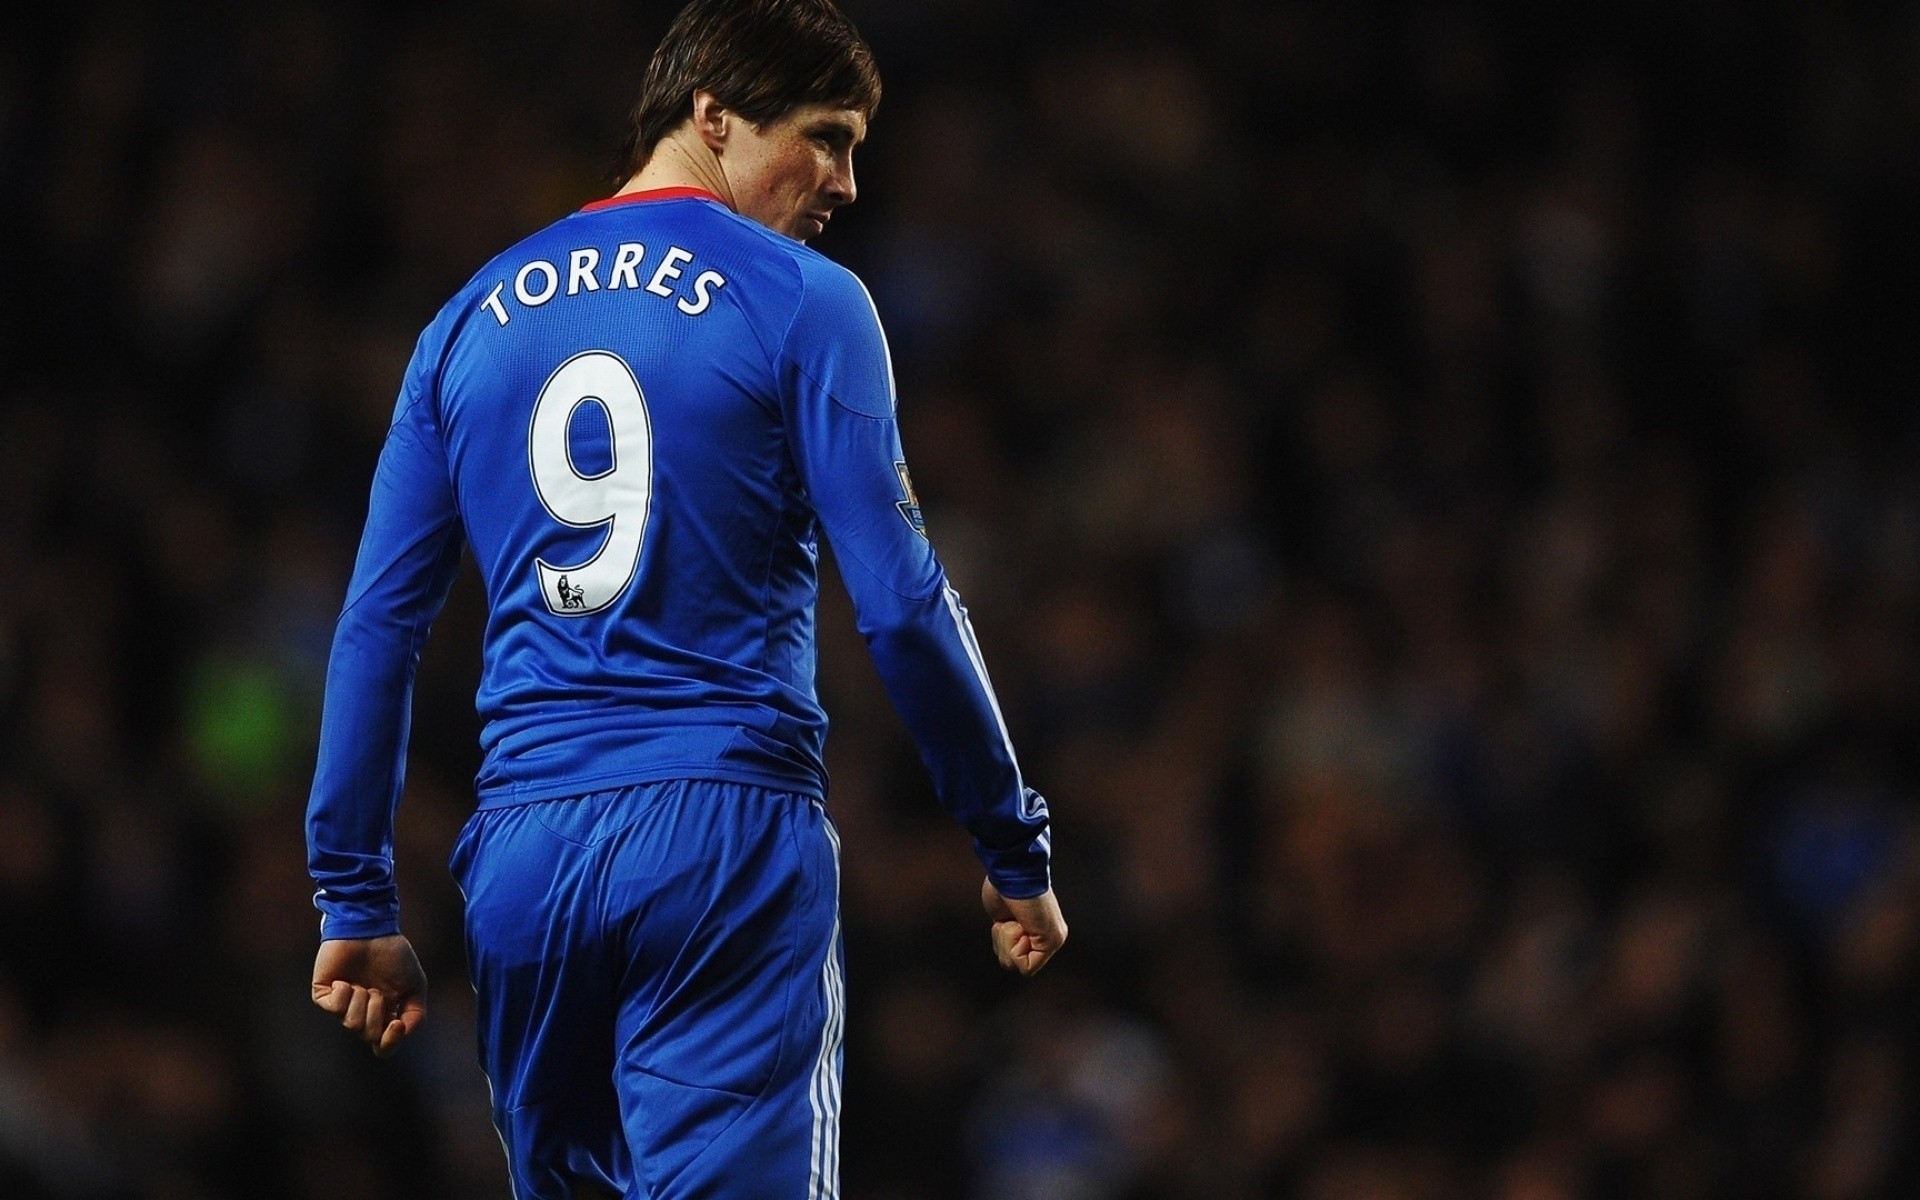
816 279
835 337
830 304
827 282
800 288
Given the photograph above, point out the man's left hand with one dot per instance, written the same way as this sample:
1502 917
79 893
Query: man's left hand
375 986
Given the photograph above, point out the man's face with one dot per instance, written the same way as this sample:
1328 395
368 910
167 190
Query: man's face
791 174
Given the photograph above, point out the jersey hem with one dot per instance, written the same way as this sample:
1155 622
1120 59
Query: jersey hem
579 785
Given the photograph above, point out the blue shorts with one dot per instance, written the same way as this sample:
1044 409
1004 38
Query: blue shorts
659 976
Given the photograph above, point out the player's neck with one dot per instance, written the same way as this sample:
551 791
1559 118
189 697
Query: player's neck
675 163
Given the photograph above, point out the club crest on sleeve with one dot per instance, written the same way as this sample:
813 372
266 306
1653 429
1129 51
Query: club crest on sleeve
910 507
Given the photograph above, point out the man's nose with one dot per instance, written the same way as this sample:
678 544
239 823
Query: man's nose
840 184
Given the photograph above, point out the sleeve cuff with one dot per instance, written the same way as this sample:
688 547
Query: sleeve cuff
1018 874
359 925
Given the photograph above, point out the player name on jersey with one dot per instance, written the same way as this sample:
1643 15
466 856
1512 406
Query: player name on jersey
538 281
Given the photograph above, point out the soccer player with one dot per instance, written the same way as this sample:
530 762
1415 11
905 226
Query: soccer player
639 419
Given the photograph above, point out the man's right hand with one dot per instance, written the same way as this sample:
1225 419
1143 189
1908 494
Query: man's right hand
1026 933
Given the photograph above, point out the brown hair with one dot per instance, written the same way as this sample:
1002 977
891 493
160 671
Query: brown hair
760 58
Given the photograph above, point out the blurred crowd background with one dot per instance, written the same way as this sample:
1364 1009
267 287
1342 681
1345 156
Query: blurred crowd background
1436 485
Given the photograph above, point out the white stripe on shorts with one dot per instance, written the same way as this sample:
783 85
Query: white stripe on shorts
823 1093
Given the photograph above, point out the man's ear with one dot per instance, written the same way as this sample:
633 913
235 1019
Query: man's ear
712 121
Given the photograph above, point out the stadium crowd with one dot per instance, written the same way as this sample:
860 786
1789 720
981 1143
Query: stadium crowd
1436 485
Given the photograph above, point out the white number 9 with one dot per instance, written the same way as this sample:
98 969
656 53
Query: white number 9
616 498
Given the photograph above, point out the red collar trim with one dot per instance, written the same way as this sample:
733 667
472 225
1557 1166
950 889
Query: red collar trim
665 193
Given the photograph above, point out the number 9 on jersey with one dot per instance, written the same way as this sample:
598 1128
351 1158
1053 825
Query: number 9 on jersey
616 499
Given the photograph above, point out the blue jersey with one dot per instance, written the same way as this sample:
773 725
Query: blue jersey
639 419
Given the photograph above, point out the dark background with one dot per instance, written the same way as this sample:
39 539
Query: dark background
1435 484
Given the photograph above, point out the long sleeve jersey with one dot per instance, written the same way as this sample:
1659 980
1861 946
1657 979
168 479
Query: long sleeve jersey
640 419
